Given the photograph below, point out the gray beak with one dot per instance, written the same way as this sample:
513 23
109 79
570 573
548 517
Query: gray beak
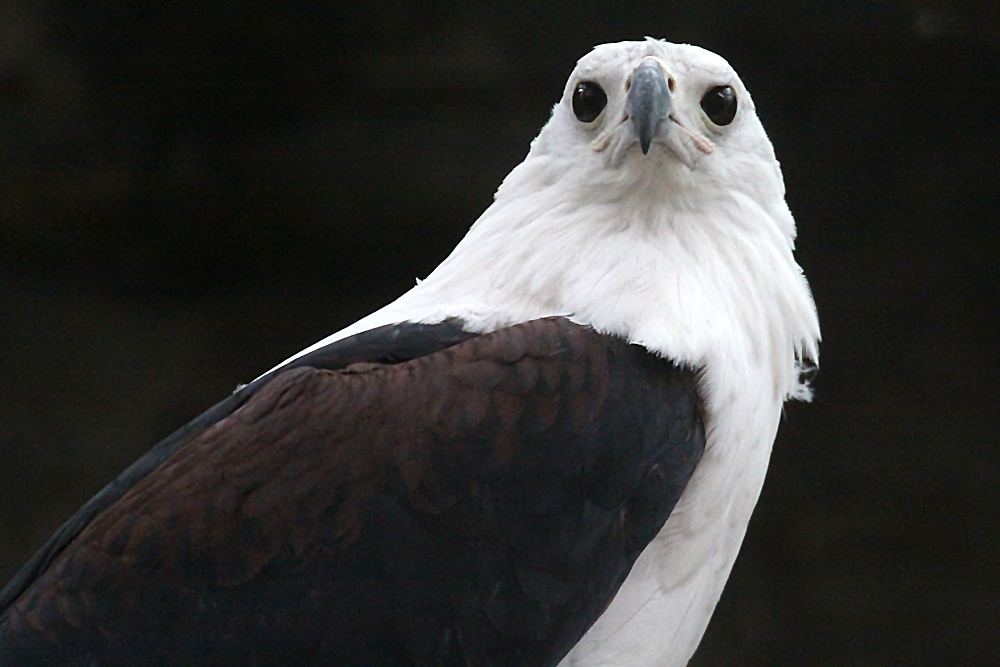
648 102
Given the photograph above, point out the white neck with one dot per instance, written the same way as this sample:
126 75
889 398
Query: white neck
708 288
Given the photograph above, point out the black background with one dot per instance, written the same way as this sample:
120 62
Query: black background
192 191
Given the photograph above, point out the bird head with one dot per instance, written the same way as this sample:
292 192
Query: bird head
671 118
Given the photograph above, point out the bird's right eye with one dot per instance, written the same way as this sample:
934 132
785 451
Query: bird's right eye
589 100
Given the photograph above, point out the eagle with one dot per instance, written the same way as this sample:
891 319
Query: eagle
546 452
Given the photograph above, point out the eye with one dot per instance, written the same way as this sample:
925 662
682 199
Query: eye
719 104
589 100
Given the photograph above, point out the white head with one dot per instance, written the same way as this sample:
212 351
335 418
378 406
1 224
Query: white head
710 139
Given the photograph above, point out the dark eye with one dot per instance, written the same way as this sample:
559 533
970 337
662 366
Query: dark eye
589 100
719 104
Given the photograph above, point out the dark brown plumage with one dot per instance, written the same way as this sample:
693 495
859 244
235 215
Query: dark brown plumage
478 504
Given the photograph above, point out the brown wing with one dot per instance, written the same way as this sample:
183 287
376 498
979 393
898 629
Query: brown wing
478 505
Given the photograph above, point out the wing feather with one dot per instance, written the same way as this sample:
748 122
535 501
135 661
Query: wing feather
477 505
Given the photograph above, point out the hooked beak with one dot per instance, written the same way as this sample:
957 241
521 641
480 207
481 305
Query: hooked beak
648 102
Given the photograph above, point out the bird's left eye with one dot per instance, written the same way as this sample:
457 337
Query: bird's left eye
589 100
719 104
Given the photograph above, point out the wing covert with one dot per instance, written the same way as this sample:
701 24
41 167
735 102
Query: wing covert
477 505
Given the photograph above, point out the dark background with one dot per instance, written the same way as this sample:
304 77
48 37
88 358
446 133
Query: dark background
192 191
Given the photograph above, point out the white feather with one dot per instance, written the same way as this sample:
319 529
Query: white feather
684 251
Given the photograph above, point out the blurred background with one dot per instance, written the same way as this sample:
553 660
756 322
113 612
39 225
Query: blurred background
192 191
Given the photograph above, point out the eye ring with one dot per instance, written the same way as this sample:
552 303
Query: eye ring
589 100
720 105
